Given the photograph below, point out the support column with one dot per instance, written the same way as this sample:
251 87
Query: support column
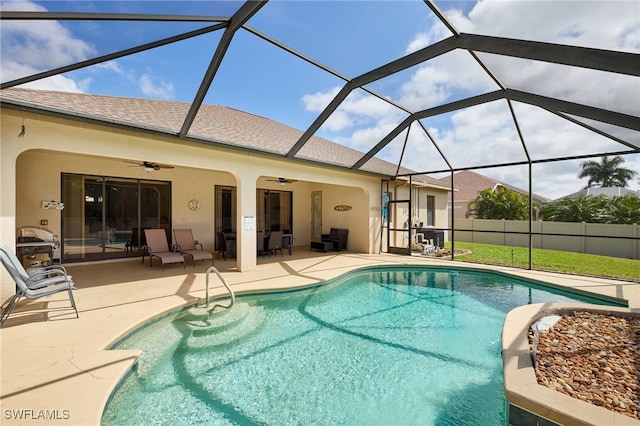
8 158
246 248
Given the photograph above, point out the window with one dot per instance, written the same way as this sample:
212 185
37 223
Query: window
225 210
431 210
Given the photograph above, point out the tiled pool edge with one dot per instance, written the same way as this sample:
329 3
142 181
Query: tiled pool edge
535 404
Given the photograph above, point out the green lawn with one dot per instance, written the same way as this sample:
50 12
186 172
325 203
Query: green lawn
552 260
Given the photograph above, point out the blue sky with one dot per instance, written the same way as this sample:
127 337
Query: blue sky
352 37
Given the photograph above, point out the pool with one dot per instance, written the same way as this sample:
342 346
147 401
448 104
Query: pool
393 345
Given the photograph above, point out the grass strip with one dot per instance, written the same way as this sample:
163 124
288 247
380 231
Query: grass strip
551 260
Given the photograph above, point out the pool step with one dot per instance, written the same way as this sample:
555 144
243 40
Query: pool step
193 319
218 334
199 319
201 332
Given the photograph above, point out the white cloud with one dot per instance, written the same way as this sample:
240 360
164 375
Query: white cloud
599 24
605 25
114 67
27 48
440 79
486 134
318 101
11 70
338 121
436 32
156 87
358 109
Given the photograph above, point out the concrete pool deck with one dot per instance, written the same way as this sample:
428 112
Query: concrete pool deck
55 369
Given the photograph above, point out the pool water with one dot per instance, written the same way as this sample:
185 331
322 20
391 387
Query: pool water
382 346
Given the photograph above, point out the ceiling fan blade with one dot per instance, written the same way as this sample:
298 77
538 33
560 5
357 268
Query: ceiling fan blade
156 166
281 181
149 165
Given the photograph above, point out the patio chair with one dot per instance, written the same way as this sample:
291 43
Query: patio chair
34 286
226 244
222 245
157 246
185 244
275 242
260 243
135 242
33 275
338 237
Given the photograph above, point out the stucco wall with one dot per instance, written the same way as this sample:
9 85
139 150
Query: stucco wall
31 165
39 178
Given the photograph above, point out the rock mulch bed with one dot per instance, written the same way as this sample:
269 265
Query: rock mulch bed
595 358
447 252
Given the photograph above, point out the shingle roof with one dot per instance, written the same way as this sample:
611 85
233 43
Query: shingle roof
469 184
609 191
213 123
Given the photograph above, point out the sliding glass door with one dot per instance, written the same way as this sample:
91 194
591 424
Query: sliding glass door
104 217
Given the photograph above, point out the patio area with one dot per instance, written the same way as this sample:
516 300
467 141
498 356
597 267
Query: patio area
56 365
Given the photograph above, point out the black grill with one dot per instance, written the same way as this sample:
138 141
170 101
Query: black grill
32 243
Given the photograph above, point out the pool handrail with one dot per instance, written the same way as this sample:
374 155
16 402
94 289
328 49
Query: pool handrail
233 296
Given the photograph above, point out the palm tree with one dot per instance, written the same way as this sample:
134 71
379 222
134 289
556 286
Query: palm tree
502 203
580 209
607 172
625 209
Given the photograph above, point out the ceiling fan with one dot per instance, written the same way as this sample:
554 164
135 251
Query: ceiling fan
282 181
149 166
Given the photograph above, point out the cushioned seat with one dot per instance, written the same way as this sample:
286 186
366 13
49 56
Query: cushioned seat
338 237
185 244
38 284
157 246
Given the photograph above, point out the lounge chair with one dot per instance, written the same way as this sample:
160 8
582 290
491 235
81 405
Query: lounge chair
33 286
185 244
157 246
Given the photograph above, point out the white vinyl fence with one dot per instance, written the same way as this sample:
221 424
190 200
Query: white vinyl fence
594 238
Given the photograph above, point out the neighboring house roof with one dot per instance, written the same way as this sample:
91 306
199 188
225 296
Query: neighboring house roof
469 184
214 124
609 191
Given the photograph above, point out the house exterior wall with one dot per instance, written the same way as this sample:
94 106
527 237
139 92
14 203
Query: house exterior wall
460 209
32 165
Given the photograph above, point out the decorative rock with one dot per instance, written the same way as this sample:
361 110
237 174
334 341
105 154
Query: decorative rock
592 357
